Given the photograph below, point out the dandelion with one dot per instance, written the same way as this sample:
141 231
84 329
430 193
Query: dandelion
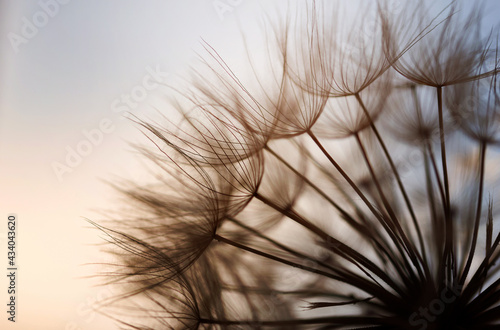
347 189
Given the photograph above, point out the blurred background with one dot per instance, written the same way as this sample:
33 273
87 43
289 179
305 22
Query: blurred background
69 71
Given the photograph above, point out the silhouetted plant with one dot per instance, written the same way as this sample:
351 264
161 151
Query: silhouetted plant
346 188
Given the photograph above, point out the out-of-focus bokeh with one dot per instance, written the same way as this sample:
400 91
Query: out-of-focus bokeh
69 71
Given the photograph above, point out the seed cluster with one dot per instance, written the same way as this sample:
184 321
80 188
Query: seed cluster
351 186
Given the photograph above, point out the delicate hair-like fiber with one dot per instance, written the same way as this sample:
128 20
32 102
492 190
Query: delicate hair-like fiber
351 186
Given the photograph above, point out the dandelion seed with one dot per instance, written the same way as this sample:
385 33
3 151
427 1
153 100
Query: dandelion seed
345 190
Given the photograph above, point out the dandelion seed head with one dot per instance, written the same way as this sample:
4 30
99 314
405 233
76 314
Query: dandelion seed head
350 187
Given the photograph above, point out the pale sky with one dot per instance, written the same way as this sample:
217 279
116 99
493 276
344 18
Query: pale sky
60 82
63 79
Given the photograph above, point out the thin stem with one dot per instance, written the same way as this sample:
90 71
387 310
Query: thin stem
346 177
489 225
448 223
389 229
482 157
402 239
366 228
396 174
337 269
344 213
346 216
432 206
334 244
219 238
381 193
323 170
436 173
379 242
442 254
281 246
361 284
489 261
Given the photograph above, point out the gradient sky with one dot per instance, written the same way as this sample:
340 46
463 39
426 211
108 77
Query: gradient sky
64 80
